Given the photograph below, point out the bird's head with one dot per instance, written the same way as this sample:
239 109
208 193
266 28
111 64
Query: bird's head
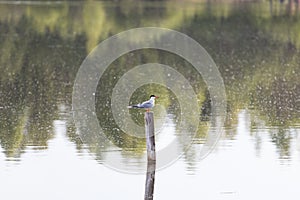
153 97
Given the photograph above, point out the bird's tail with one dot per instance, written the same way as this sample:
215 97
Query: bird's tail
133 106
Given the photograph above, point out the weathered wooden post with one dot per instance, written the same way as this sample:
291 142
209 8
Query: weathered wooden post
150 177
151 155
150 139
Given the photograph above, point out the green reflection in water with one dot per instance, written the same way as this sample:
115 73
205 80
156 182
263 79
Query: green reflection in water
255 45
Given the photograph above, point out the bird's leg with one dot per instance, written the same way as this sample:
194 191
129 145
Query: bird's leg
147 110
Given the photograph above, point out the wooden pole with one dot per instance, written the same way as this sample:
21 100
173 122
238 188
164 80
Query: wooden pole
151 155
150 177
150 139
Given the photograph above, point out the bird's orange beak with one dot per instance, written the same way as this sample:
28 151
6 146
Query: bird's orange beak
156 97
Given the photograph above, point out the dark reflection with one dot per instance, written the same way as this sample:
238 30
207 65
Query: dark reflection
282 139
37 71
255 46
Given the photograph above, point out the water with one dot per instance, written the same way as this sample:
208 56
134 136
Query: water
44 155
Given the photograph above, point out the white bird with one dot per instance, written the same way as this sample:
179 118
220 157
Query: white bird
146 104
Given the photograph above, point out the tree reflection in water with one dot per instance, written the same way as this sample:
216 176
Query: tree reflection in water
42 47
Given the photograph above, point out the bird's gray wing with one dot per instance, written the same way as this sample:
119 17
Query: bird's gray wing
146 104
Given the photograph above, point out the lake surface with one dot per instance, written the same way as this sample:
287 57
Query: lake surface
50 149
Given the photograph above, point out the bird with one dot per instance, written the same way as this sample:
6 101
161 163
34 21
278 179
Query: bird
146 104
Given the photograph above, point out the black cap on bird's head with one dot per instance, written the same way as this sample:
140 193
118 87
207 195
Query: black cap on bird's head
153 96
